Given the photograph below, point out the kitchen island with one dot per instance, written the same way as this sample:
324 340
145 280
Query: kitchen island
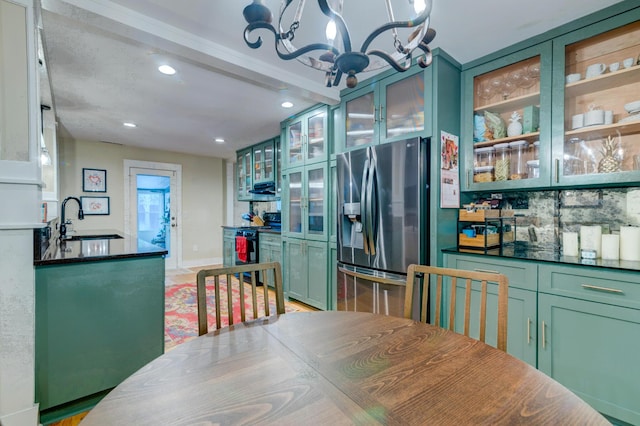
99 318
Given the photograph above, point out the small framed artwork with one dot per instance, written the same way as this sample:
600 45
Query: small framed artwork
94 180
95 205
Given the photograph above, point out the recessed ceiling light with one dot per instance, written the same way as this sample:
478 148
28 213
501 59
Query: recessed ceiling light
287 104
166 69
129 124
219 140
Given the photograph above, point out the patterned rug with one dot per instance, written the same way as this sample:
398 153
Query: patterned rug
181 311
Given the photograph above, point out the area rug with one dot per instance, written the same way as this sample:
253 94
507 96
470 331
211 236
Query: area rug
181 311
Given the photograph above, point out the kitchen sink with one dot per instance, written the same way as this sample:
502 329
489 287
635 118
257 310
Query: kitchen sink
94 237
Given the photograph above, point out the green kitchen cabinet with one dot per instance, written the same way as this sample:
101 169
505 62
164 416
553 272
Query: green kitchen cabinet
244 180
592 349
521 320
306 278
387 110
581 322
598 151
492 92
306 202
96 323
306 138
269 247
526 77
264 161
228 247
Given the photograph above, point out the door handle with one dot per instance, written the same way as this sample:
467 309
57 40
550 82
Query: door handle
363 205
528 330
544 343
173 225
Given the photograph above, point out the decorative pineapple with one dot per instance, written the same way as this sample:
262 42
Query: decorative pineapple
515 127
610 162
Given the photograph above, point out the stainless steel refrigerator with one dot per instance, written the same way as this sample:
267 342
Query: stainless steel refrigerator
382 223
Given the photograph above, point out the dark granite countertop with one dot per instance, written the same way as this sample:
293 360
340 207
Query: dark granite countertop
524 251
74 251
266 229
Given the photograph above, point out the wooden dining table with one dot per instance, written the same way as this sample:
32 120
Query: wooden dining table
339 368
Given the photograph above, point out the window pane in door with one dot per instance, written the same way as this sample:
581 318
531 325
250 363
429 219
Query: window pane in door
295 202
359 121
315 191
405 106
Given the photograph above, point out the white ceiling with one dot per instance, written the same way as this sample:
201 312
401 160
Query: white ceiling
102 58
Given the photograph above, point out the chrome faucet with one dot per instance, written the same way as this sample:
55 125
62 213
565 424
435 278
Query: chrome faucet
63 224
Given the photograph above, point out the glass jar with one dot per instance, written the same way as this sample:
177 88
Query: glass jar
483 174
503 162
535 150
483 156
518 154
533 169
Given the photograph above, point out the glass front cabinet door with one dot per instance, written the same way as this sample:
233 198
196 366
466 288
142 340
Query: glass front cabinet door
263 162
389 110
597 75
506 141
243 174
306 202
306 138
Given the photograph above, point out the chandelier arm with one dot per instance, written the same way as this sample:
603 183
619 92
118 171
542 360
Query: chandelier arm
398 24
394 64
278 37
340 24
305 49
257 25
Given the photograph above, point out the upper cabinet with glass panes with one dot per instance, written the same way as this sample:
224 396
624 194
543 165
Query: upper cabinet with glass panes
505 133
598 119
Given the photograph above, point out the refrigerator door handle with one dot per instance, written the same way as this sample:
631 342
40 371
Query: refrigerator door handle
363 204
369 206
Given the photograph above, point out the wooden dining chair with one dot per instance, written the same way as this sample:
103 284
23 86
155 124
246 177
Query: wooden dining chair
265 273
425 273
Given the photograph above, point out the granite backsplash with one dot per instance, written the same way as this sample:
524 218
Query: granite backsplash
542 216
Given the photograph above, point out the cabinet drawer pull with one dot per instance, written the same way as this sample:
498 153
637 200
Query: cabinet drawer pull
544 339
598 288
528 330
487 271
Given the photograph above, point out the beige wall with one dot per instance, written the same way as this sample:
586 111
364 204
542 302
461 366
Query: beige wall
203 192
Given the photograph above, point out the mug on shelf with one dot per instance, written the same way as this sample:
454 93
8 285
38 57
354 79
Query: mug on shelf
577 121
572 78
608 116
614 66
628 63
594 70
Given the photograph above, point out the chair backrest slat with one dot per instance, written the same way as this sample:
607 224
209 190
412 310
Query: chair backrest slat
235 277
449 276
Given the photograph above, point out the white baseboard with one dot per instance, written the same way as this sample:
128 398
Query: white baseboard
196 263
28 417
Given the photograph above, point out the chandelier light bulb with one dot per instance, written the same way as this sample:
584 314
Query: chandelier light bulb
418 6
331 31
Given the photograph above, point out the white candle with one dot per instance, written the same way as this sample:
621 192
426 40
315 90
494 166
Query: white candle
610 246
591 238
630 243
570 244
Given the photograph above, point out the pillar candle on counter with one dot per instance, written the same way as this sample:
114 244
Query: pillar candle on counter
611 247
630 243
570 244
591 238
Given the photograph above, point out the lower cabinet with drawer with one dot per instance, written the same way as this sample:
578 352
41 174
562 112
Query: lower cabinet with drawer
581 322
589 322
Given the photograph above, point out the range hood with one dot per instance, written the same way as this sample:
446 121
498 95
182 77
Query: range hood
264 188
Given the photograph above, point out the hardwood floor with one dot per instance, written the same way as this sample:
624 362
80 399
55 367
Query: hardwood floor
177 276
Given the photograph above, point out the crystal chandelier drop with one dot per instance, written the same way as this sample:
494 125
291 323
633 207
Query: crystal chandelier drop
334 61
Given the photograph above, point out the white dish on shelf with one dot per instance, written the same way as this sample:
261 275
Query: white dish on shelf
631 118
632 107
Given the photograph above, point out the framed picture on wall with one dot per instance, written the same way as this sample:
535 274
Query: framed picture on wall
94 180
95 205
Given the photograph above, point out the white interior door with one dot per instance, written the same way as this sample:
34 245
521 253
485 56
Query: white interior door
153 206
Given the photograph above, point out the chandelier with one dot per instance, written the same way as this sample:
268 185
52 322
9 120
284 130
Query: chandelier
330 59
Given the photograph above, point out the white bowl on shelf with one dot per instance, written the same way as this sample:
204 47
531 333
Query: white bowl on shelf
632 107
